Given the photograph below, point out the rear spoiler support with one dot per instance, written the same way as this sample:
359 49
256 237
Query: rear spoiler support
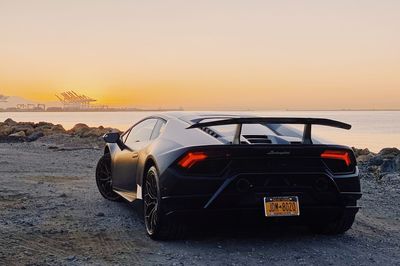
238 133
307 122
307 134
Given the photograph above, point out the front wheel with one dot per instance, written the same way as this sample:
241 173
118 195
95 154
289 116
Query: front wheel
104 180
158 225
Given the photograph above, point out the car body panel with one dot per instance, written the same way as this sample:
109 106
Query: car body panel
187 193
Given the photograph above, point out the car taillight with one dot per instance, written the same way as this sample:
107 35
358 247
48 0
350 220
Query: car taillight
337 155
190 159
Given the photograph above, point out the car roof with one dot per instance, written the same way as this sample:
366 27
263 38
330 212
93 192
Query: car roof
194 116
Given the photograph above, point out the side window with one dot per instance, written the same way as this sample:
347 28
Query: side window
158 129
141 132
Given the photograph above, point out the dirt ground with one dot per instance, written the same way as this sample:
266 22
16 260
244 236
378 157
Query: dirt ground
51 213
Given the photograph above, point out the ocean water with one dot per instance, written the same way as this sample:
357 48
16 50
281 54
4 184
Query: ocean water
371 129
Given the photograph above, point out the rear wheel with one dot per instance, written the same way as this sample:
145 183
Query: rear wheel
339 226
104 180
158 225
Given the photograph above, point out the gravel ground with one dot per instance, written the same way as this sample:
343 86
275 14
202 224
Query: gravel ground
51 213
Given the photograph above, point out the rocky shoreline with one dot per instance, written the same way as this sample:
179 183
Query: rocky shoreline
54 135
12 131
384 165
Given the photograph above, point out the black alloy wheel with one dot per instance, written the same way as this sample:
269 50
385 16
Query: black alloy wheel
158 225
104 180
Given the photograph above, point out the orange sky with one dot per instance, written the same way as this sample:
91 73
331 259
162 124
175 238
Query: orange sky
204 54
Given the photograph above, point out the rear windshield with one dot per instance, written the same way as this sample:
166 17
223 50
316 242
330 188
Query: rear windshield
260 134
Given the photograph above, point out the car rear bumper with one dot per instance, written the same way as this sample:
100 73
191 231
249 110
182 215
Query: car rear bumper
194 206
321 195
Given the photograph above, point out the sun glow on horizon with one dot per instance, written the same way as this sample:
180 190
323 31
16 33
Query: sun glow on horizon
204 55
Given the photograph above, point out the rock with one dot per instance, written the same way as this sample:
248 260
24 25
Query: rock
96 132
35 136
359 152
365 158
71 258
43 128
84 131
58 129
48 128
388 166
10 122
389 152
44 124
5 130
28 129
18 134
397 163
376 160
79 129
91 132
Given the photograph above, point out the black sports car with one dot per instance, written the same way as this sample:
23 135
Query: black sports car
186 164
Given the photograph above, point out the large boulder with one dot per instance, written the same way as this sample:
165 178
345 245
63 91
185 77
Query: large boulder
5 130
387 166
359 152
365 157
58 129
35 136
376 161
96 132
92 132
10 122
25 127
49 128
391 165
389 152
29 124
44 124
84 131
397 163
18 134
79 129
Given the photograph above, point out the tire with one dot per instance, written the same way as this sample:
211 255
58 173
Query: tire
104 180
158 225
337 227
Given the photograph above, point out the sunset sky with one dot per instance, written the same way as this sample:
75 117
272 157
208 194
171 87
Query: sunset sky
204 54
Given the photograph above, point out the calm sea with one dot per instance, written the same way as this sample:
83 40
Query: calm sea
372 129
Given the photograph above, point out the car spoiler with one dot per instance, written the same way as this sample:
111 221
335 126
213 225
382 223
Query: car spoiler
307 122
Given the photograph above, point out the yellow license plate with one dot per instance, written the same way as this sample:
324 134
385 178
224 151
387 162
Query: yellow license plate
281 206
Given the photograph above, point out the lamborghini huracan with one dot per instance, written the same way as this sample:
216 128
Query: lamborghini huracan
182 165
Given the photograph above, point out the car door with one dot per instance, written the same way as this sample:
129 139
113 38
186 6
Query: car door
125 161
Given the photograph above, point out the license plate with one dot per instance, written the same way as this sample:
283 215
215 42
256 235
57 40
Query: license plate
281 206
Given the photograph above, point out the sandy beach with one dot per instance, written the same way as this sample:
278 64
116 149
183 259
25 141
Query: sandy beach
51 213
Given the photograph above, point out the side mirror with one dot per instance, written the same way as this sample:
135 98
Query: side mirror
112 137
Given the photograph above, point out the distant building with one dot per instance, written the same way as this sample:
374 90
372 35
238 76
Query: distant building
31 107
54 109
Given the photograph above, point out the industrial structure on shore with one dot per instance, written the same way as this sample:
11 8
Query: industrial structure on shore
3 98
70 101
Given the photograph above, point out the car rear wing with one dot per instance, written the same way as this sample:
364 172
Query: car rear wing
307 122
